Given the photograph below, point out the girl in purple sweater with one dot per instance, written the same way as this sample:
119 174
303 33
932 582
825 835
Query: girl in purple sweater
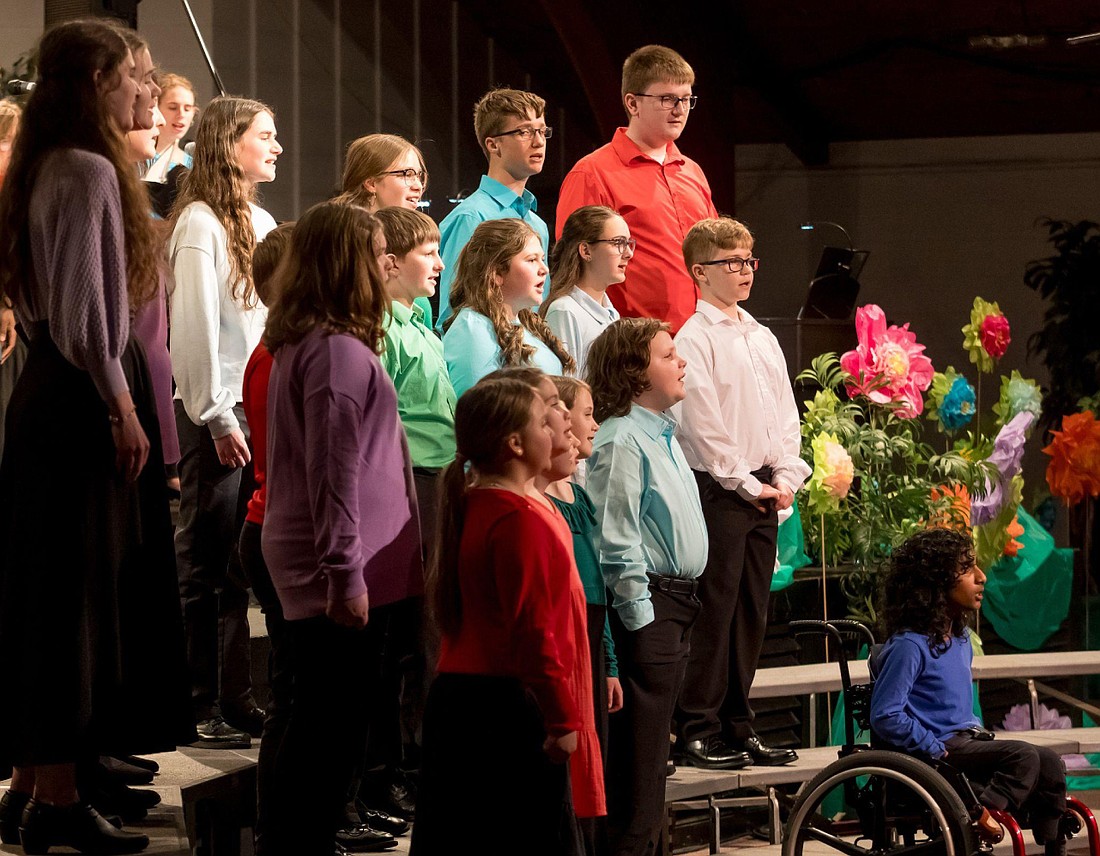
341 534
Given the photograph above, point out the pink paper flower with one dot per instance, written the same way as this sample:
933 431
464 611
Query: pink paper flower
995 335
888 365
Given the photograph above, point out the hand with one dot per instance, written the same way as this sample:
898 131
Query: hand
7 333
786 497
131 444
352 613
232 449
614 695
768 499
558 749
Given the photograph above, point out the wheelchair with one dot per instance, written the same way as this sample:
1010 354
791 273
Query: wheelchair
895 804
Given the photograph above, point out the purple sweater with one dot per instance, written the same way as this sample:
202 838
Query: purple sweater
341 514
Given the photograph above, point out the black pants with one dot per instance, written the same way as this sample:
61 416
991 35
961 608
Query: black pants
213 593
594 829
734 591
279 672
652 662
1017 776
333 670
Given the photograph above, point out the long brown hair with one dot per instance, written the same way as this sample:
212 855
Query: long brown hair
329 278
618 365
217 179
369 157
66 110
489 254
566 265
485 417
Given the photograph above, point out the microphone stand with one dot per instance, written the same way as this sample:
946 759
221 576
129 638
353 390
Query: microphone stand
202 45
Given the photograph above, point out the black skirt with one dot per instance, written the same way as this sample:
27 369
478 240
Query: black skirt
483 753
91 635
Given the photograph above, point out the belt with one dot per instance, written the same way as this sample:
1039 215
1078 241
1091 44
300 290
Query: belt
673 585
765 474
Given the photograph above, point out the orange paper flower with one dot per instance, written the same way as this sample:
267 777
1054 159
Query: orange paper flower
958 515
1074 469
1015 530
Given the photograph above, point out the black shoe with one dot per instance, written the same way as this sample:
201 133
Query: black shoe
216 733
766 756
381 821
712 753
400 800
145 763
249 720
12 804
78 826
124 773
130 804
670 770
363 839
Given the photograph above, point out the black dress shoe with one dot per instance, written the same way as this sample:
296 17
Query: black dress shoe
712 753
766 756
216 733
399 799
363 839
145 763
122 772
249 719
12 804
381 821
78 826
130 804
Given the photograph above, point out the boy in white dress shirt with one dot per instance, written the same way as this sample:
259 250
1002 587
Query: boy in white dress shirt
739 429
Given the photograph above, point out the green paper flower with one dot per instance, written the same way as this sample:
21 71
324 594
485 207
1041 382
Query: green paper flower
1018 395
987 334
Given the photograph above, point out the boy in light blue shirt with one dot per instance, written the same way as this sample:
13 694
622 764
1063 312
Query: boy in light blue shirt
652 544
511 129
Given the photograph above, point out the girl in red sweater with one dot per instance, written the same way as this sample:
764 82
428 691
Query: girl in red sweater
501 718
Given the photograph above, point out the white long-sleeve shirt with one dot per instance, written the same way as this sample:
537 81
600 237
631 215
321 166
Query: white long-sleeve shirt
739 413
213 335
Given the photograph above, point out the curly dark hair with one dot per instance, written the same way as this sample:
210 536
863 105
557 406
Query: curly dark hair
916 591
618 365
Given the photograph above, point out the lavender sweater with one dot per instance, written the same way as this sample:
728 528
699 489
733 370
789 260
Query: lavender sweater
341 514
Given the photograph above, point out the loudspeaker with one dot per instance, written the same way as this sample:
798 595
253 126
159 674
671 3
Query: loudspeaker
68 10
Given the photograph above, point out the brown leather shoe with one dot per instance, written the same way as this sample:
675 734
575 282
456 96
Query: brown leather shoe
989 830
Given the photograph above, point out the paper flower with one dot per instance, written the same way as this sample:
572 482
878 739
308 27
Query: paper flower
1018 395
1018 718
987 335
1074 469
1008 453
957 515
1014 530
887 365
950 401
832 476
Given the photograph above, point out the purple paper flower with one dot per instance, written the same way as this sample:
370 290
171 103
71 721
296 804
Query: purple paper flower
1018 718
1008 452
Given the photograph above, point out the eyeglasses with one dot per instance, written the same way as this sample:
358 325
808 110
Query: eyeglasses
620 243
526 134
668 102
411 176
736 265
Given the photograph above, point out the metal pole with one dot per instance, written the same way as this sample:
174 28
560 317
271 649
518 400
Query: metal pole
202 45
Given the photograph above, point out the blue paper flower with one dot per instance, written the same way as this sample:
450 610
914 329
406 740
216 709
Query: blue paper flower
957 409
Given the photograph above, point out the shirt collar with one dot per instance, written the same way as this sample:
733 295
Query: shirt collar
716 316
506 197
628 150
602 313
655 425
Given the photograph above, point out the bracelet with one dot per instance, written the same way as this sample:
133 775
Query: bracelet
118 420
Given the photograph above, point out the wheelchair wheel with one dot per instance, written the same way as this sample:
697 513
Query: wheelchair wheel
898 805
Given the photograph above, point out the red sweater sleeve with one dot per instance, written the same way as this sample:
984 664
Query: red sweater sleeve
257 377
534 592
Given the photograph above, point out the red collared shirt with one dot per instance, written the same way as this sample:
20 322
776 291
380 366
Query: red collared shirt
660 203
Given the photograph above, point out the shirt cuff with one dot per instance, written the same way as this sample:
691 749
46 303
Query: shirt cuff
636 614
223 424
109 379
749 488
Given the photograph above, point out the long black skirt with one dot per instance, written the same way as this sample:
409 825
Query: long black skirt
91 635
483 757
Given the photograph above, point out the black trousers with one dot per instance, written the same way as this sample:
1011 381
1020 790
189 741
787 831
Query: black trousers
652 662
594 829
279 672
213 593
734 591
1018 776
333 683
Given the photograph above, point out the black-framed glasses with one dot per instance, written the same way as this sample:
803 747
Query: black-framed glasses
620 243
526 134
669 102
410 175
736 265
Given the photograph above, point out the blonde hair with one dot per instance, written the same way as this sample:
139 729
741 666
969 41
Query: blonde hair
405 229
655 64
568 387
497 105
168 80
216 178
566 265
368 157
10 112
489 254
716 233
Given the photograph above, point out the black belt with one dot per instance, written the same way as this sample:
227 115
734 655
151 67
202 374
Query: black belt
673 585
765 474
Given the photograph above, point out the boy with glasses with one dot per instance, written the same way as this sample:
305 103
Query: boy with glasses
511 129
738 426
658 191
